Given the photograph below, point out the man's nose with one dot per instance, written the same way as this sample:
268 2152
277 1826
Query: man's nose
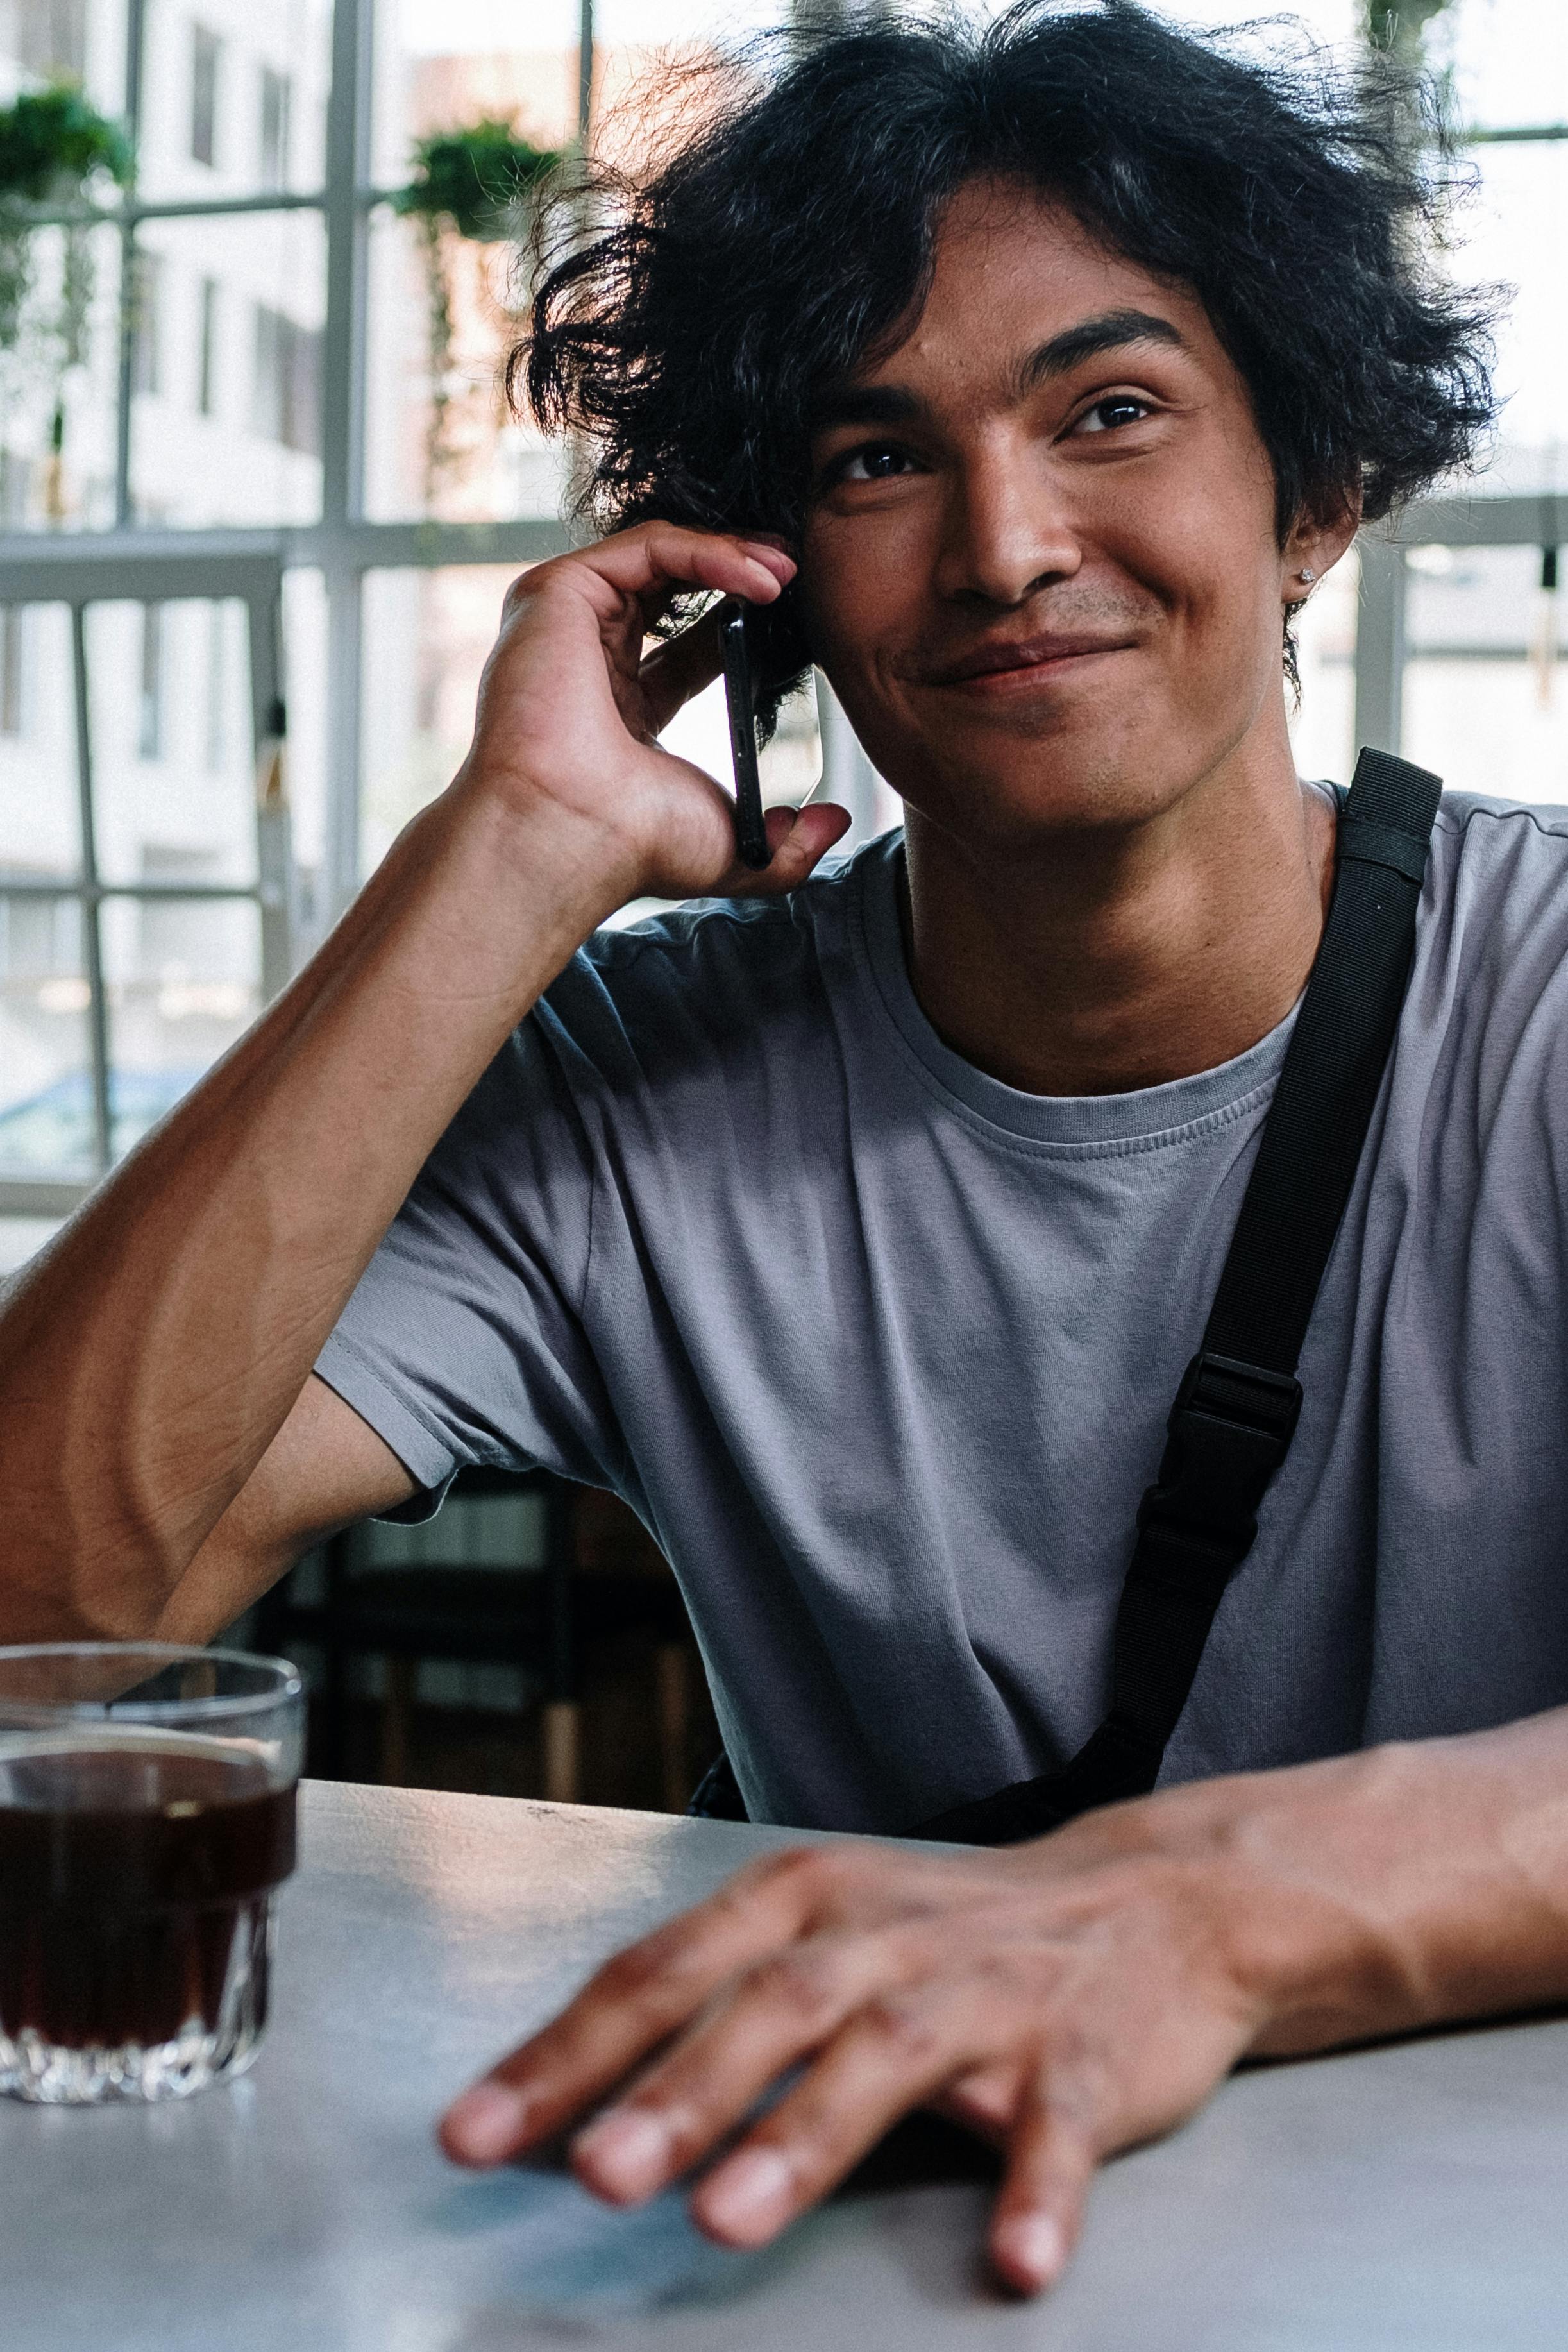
1008 530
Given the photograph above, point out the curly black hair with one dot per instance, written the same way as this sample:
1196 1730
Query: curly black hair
790 234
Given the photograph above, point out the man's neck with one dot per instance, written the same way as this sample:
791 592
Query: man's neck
1106 961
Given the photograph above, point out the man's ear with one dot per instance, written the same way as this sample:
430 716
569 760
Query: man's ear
1318 538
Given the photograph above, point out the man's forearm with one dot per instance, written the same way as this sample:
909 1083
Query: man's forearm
146 1362
1382 1892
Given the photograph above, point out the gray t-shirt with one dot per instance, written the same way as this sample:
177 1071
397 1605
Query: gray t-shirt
880 1350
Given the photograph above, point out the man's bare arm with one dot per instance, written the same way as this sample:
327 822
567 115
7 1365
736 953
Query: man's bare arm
324 1469
150 1358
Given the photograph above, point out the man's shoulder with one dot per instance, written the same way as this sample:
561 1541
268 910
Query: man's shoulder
1487 827
712 945
718 967
1499 871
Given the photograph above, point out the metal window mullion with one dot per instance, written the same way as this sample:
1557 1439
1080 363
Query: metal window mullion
135 47
584 73
343 434
93 894
88 899
276 892
1380 645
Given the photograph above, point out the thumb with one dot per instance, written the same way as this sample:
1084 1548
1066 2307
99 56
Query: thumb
798 838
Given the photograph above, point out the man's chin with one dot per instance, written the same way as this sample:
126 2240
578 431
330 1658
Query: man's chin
1016 805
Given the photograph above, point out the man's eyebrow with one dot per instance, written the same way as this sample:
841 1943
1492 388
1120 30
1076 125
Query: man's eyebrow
894 404
1108 332
864 404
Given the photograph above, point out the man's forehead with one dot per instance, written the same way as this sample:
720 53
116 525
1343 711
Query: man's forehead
1019 291
879 397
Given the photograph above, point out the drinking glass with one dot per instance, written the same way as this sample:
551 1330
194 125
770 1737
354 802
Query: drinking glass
146 1823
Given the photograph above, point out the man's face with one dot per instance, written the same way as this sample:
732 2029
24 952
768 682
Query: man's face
1041 563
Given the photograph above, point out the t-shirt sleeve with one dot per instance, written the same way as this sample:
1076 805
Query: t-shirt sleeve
462 1341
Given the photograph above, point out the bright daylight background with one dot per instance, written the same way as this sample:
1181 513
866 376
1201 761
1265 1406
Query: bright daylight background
142 916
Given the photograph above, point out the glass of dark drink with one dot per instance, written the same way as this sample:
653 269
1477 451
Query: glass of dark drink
146 1824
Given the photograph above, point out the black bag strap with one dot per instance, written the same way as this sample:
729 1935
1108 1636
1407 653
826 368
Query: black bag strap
1236 1410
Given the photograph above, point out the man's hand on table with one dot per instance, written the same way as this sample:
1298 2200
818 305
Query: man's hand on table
1067 1999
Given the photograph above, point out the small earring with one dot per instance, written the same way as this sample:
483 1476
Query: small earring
1306 576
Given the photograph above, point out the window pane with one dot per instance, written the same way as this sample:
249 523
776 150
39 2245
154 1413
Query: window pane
22 1238
1322 728
438 67
426 635
46 1091
226 423
182 982
57 422
438 70
474 461
173 765
234 98
1509 60
1516 233
305 668
39 836
1485 686
68 41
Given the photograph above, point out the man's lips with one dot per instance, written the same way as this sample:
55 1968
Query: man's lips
1002 657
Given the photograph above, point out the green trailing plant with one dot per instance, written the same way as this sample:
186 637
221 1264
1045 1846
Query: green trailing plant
477 183
57 150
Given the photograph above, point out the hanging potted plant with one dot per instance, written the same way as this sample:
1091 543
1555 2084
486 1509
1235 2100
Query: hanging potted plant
478 184
57 152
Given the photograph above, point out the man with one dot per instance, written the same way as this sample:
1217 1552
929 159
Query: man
858 1228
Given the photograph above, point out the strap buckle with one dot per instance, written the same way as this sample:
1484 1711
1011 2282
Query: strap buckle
1231 1428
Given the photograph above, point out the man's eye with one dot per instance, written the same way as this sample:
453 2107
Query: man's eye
1118 408
878 461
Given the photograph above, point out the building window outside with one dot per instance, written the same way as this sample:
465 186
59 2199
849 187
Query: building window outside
216 744
16 484
206 51
13 669
150 704
50 39
276 100
206 348
285 401
147 325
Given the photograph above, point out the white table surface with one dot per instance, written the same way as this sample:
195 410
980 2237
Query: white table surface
1412 2197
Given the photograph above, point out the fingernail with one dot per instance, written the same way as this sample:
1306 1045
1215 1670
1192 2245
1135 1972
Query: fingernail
484 2124
1029 2248
743 2199
628 2150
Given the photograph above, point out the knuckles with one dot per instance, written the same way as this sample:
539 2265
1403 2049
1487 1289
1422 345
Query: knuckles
903 2028
801 1982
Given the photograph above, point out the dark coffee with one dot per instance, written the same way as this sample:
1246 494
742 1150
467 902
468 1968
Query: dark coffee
127 1873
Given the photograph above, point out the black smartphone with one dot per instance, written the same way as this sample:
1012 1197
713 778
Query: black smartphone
740 698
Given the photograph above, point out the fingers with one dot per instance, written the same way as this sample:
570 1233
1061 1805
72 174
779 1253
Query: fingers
781 2011
1057 2140
632 2005
889 2059
986 2101
633 564
897 2051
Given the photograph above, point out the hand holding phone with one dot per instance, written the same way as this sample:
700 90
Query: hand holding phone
740 699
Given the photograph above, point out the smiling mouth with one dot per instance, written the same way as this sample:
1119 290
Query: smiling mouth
1026 662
